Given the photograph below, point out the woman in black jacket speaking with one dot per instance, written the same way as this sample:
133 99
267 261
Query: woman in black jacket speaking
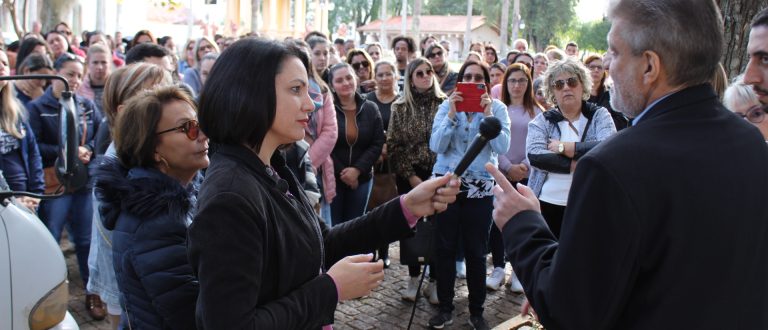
263 258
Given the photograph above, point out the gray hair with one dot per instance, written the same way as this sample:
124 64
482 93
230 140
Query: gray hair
686 34
739 92
568 65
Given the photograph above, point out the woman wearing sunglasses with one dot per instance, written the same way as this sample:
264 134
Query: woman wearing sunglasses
362 63
469 219
436 54
557 138
742 100
147 200
361 139
522 107
408 144
263 258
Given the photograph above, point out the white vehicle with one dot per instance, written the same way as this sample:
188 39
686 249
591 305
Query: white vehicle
34 289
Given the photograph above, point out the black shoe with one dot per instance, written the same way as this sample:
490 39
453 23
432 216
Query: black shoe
440 320
478 322
387 263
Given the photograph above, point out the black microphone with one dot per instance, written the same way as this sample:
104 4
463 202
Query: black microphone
490 127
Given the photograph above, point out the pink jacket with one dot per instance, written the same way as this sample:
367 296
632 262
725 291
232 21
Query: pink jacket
320 149
85 89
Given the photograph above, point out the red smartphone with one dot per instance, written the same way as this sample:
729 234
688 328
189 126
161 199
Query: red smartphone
471 93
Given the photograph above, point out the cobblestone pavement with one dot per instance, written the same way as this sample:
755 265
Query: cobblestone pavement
383 309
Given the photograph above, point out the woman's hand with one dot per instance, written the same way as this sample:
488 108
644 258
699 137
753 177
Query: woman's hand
349 176
355 276
84 154
485 102
569 148
517 172
30 202
368 85
455 97
432 196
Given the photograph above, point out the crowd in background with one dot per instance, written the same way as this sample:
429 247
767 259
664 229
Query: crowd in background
385 118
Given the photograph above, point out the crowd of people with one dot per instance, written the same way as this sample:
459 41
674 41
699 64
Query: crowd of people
231 179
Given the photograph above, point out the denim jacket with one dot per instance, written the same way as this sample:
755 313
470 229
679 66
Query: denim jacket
452 137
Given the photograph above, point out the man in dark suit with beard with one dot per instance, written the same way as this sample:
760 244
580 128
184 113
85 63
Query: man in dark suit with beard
667 223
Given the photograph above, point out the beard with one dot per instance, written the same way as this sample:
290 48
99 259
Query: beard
626 99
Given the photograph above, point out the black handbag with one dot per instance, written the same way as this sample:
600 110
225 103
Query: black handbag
420 248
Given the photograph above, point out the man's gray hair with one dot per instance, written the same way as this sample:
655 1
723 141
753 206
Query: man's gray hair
686 34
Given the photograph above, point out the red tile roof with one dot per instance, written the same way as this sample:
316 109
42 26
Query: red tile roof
429 24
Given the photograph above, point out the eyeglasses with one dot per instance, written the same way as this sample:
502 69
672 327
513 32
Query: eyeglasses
432 55
514 82
190 128
560 84
473 77
358 65
69 33
755 114
595 67
421 74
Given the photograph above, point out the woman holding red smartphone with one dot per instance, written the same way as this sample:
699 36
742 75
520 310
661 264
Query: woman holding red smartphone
469 218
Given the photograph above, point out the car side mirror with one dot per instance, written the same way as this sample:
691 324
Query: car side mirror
72 173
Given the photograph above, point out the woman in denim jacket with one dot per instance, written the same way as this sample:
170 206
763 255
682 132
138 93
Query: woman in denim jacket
557 138
470 215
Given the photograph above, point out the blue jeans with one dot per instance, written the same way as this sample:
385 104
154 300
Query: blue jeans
348 203
468 219
75 211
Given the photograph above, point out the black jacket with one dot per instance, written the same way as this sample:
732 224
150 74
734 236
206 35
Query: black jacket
370 139
260 252
148 213
665 229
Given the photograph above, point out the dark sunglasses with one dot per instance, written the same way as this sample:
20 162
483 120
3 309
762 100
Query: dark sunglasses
755 114
358 65
190 128
432 55
421 74
560 84
473 77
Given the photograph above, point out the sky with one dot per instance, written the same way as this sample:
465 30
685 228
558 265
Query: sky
590 10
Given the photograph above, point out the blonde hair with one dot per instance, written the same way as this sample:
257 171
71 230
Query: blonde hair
568 65
407 98
12 113
129 80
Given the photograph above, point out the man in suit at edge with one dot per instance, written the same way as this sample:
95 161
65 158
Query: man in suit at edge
667 224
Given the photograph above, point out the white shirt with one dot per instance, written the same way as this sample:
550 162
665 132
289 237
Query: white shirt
557 186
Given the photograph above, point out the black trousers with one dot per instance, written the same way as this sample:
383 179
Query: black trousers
553 214
470 219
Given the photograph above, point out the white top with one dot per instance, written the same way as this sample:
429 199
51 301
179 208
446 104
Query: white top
556 186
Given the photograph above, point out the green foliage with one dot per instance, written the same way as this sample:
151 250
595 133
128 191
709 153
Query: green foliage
359 12
449 7
592 35
546 19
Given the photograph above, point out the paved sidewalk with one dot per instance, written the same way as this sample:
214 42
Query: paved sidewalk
383 309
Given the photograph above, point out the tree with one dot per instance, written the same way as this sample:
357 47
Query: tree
11 6
55 11
545 19
737 16
592 35
360 12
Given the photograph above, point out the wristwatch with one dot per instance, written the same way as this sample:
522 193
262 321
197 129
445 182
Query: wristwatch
560 148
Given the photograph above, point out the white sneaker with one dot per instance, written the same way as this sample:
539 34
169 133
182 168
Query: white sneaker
409 293
461 269
514 284
430 292
496 280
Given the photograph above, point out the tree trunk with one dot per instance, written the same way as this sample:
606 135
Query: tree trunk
503 27
255 9
11 6
737 15
56 11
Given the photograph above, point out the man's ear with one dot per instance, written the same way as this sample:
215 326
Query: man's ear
653 69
